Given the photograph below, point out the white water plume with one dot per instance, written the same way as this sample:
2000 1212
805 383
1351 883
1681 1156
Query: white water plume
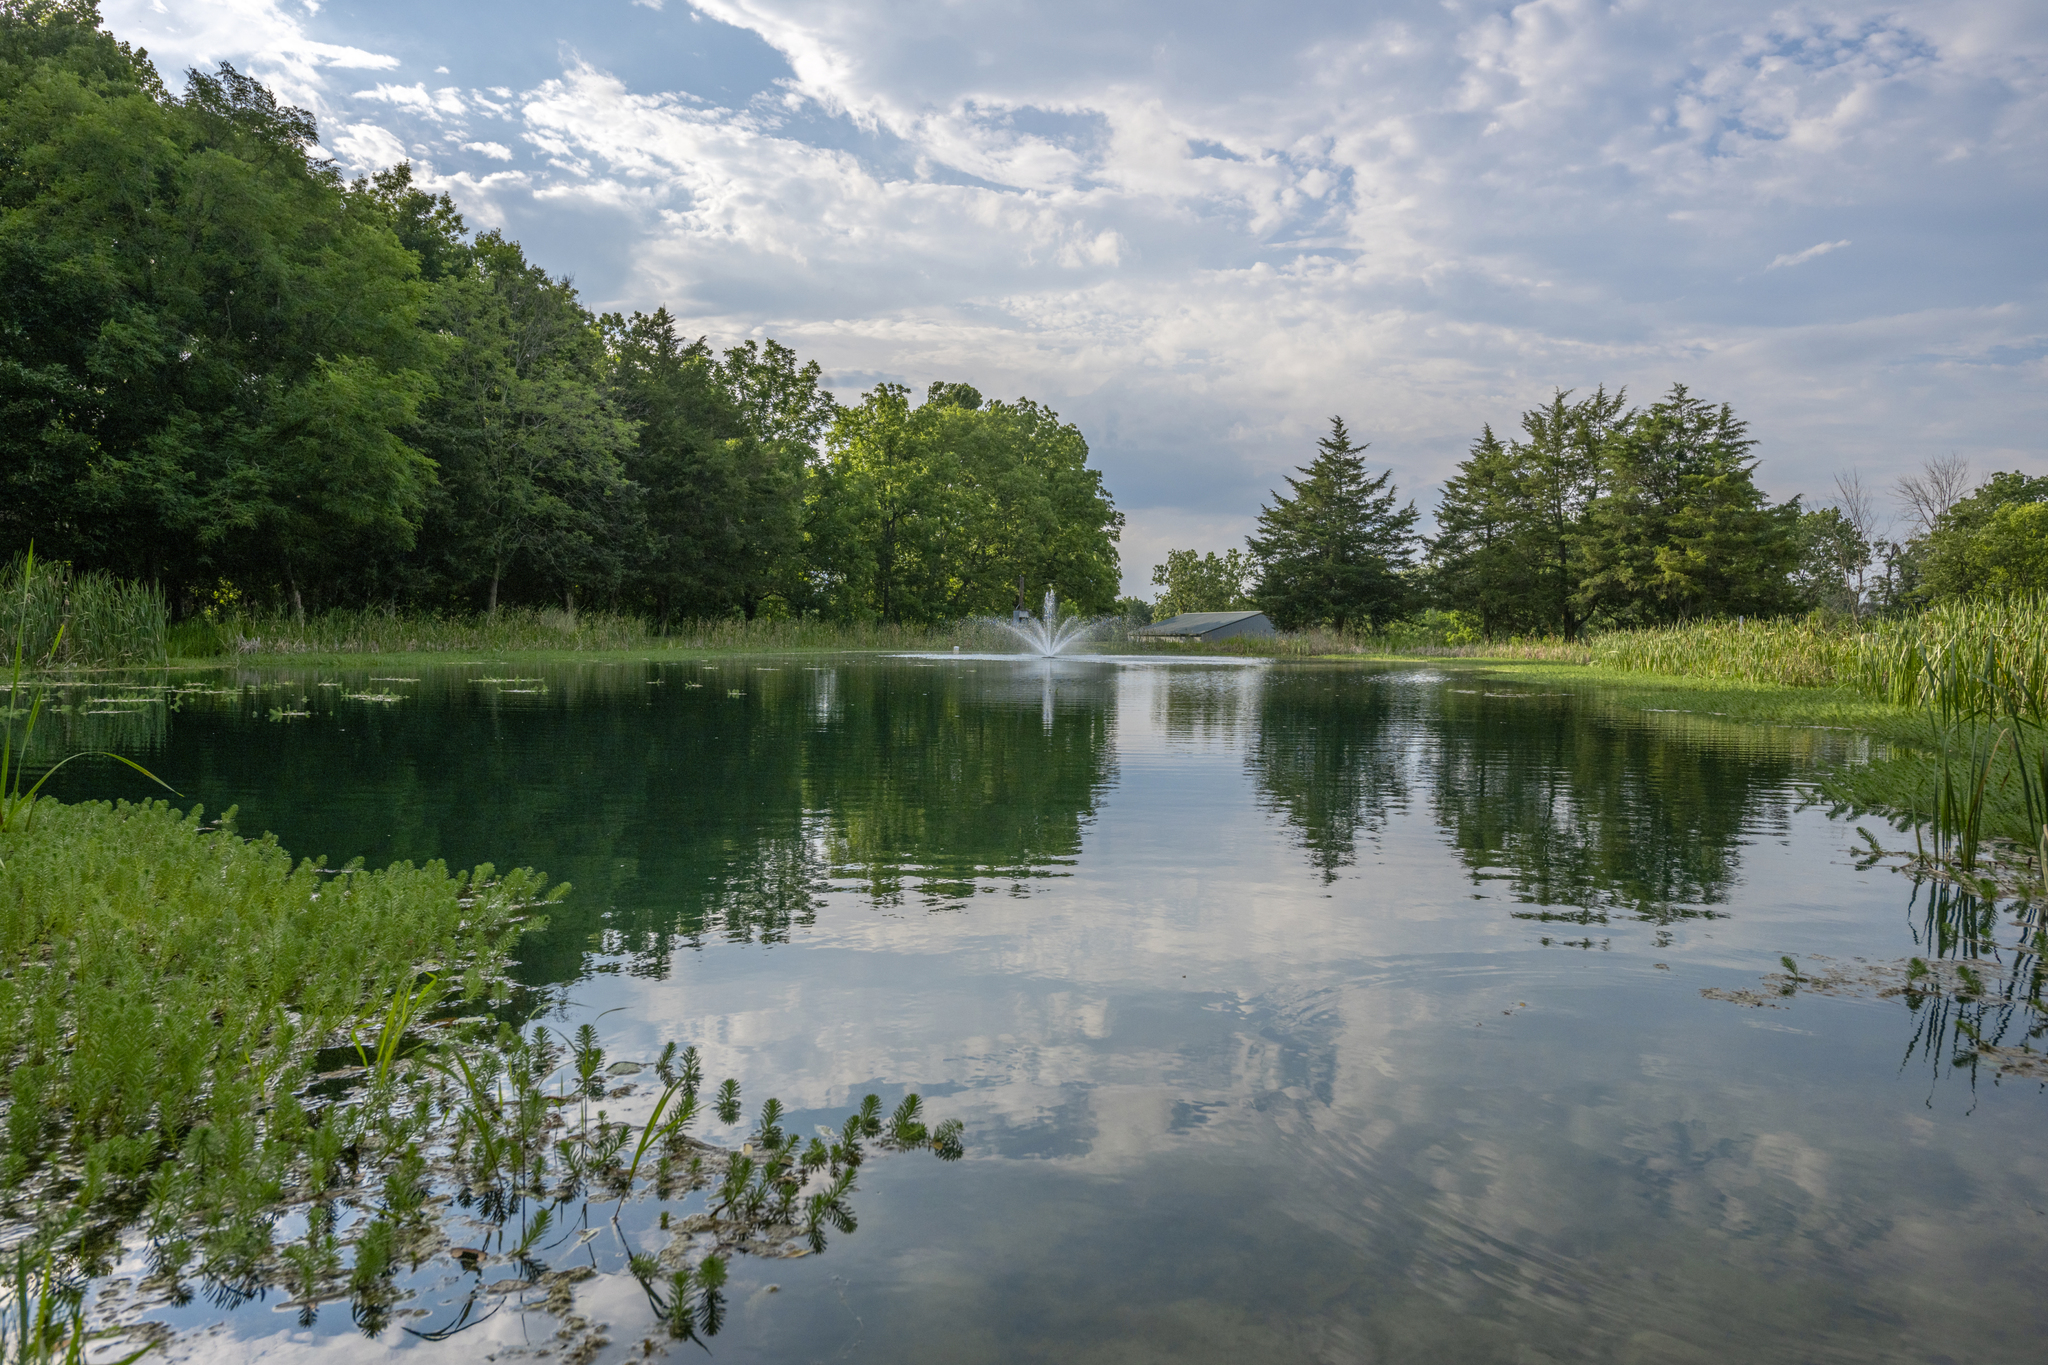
1047 635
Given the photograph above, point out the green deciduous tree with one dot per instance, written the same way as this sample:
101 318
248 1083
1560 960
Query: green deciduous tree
1832 556
719 486
1333 551
938 511
530 446
209 356
1993 541
1203 582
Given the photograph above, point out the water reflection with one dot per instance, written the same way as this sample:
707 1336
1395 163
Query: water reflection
1331 756
1585 818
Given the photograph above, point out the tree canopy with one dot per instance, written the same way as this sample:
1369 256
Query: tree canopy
221 360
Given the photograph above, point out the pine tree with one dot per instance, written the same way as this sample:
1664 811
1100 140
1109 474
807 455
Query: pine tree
1333 552
1681 530
1481 559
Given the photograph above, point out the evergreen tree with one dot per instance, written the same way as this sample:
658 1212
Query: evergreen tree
1486 557
1332 553
1562 459
1681 529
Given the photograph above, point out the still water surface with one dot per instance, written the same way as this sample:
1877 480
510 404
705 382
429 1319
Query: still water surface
1296 1013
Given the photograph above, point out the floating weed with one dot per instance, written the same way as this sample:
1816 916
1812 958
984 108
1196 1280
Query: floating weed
382 697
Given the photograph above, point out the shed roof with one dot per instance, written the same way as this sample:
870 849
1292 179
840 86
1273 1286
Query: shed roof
1197 622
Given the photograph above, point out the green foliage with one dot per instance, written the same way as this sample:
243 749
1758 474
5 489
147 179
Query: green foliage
1510 549
205 355
61 618
220 361
1832 558
1605 517
1991 543
1680 529
530 445
953 508
1198 582
168 981
1332 553
720 501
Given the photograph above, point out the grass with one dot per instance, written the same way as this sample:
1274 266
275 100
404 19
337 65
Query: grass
80 620
522 630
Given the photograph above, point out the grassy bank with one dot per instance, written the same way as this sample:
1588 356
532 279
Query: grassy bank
526 630
61 619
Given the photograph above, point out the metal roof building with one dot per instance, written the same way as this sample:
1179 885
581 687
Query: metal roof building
1208 626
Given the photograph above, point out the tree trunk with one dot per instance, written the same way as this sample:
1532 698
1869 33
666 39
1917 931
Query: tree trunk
496 570
569 605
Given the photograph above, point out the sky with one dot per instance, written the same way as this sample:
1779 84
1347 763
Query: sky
1198 231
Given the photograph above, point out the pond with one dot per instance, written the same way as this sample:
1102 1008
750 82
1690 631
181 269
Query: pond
1295 1012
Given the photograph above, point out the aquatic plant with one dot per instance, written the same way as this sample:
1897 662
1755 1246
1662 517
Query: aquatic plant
14 745
64 619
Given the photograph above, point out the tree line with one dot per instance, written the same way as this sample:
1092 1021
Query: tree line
1598 515
221 363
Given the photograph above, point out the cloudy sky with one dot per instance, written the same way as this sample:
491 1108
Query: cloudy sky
1198 230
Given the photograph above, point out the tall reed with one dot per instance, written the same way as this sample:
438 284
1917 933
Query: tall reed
65 619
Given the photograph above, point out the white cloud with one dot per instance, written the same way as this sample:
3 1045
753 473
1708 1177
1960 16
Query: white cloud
413 96
257 34
365 147
1802 257
497 151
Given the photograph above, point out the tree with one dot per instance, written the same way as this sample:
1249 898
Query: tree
209 359
1029 508
1198 582
1680 529
1332 552
1832 558
1511 527
938 511
720 499
1564 470
1487 559
782 402
1989 543
1927 496
1859 510
529 444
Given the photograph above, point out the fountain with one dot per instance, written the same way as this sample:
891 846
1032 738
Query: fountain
1047 635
